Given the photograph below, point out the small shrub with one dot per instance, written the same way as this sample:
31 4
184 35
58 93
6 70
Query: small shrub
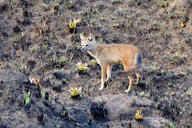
75 92
27 98
73 25
139 114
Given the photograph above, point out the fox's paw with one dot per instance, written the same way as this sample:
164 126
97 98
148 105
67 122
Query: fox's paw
127 91
101 88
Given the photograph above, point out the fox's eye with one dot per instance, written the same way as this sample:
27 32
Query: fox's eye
86 45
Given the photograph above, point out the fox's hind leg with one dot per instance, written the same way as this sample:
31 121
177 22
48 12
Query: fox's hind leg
103 75
130 83
138 77
109 68
127 68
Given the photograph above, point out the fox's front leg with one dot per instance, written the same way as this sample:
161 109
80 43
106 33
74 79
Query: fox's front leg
103 75
109 68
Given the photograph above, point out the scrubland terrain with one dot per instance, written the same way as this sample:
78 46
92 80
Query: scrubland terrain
35 41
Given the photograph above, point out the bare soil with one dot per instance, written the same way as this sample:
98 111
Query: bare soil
34 38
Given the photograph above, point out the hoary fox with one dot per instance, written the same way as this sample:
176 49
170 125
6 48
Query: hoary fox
107 54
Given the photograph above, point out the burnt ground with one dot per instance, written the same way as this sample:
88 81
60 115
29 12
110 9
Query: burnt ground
35 38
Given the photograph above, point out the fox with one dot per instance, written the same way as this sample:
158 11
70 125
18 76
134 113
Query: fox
108 54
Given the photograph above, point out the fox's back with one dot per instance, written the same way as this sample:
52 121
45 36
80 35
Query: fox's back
118 52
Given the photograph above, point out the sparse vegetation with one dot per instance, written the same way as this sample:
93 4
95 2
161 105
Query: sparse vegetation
75 91
63 61
164 3
11 3
73 24
93 62
41 59
139 115
81 67
27 98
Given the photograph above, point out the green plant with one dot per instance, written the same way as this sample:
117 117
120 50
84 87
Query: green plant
172 125
27 98
2 117
164 3
8 88
65 112
81 67
116 1
73 24
69 3
155 25
11 3
22 67
46 45
170 84
177 55
92 62
63 60
190 112
34 48
155 67
139 114
75 91
58 123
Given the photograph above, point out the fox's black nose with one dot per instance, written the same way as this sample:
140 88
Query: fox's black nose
83 49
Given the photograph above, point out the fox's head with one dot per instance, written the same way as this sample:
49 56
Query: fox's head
87 42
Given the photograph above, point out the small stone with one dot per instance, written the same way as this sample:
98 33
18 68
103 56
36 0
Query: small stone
172 93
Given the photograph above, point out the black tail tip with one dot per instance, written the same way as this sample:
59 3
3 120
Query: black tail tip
138 59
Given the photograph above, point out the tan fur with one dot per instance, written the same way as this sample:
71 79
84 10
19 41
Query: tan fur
107 54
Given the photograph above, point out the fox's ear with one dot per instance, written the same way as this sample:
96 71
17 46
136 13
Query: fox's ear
91 37
81 36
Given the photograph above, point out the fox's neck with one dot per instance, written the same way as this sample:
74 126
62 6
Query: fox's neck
94 53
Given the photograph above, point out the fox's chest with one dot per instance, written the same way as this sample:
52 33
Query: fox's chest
95 56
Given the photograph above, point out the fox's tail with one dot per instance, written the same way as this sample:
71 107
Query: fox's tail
136 66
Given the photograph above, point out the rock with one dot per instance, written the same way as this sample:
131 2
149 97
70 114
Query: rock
10 76
120 111
122 106
119 106
156 122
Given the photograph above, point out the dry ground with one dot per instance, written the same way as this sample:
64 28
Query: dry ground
35 40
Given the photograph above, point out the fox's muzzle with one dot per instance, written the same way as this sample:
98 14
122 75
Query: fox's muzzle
84 49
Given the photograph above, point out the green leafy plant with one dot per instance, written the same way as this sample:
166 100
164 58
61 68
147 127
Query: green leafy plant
65 112
11 3
92 62
27 98
116 1
69 3
75 91
164 4
8 88
81 67
139 114
73 24
63 60
58 123
2 117
22 67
